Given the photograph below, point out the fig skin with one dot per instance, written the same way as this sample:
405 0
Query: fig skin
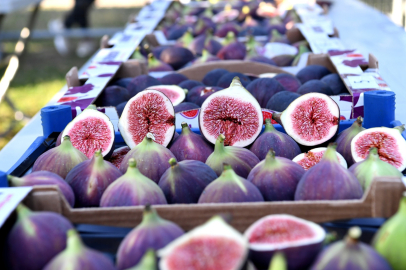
212 77
118 156
153 232
372 167
189 84
281 100
151 157
79 257
335 82
199 94
328 180
35 239
228 78
44 178
282 144
90 179
345 137
133 188
191 146
176 57
276 177
229 188
185 181
154 65
60 160
113 95
140 83
289 82
233 51
315 86
263 89
312 72
185 106
173 78
148 262
240 159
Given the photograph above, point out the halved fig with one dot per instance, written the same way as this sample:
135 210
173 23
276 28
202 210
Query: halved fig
150 111
173 92
233 112
90 131
311 119
300 240
389 142
312 157
118 155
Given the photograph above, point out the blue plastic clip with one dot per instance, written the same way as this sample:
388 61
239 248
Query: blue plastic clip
3 179
55 118
379 108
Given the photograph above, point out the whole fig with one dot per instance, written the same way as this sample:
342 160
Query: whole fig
344 139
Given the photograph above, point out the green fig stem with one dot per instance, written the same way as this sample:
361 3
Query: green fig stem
150 215
400 128
205 56
268 125
359 121
373 154
22 211
219 145
278 262
91 107
236 82
66 144
185 128
74 243
132 163
277 117
226 167
173 162
270 158
14 180
331 153
354 233
229 174
98 158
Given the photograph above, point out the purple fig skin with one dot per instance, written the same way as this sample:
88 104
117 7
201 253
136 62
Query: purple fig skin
185 181
191 146
90 179
199 93
261 59
189 84
230 188
282 144
79 257
233 51
328 180
153 232
344 139
140 83
240 159
173 78
60 160
276 177
59 139
175 136
289 82
35 238
227 27
44 178
283 60
132 189
263 89
151 157
113 95
185 106
156 65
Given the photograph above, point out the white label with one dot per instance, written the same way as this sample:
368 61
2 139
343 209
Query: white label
325 44
9 199
160 37
362 82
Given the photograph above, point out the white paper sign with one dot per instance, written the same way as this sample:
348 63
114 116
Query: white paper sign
325 44
9 199
362 82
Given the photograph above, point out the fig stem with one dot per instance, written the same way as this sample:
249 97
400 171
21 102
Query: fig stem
74 243
359 121
150 216
229 174
268 125
219 146
226 166
185 128
91 107
132 163
150 136
173 161
270 157
66 144
278 262
400 128
98 158
354 233
330 153
22 211
373 153
236 82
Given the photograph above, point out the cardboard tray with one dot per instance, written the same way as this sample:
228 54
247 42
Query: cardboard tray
380 200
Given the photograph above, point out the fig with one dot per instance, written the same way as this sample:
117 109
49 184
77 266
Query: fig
190 145
79 257
155 65
140 83
313 156
35 238
123 82
201 93
263 89
261 59
118 156
185 106
149 111
389 142
175 94
213 245
277 37
205 42
279 142
335 82
223 30
113 95
147 262
176 57
206 57
278 262
137 55
350 253
120 108
131 189
298 239
158 50
276 177
311 119
212 77
233 112
59 160
314 86
345 137
281 100
90 178
312 72
40 178
189 84
204 24
211 45
372 167
185 40
173 78
328 180
389 241
284 60
151 157
229 188
90 131
177 31
153 232
232 51
185 181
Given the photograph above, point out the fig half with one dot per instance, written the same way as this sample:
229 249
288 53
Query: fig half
312 157
173 92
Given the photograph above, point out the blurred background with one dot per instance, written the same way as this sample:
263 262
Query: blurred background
42 69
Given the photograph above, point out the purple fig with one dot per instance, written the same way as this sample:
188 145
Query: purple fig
233 51
263 89
190 145
90 179
153 232
173 79
261 59
277 37
203 25
79 257
284 60
206 57
328 180
113 95
185 106
156 65
281 143
35 238
223 30
44 178
201 93
118 156
189 84
230 187
151 157
59 160
276 177
185 181
185 40
141 83
133 188
289 82
345 137
176 57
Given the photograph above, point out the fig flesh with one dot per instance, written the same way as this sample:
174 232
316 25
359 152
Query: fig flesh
185 106
175 94
90 179
213 245
133 188
118 156
59 160
300 240
153 232
90 131
313 156
311 119
389 142
233 112
345 137
150 111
